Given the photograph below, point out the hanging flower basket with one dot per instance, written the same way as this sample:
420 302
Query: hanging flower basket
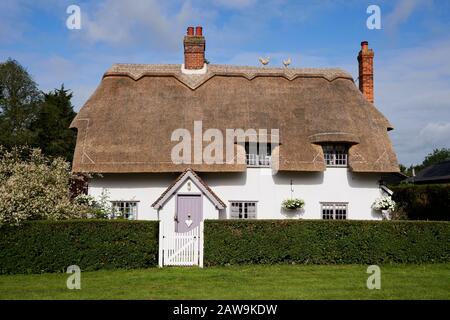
384 203
293 204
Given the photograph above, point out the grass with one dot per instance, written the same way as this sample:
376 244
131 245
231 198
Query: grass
431 281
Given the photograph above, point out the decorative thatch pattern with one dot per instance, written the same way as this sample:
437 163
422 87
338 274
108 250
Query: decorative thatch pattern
193 81
126 125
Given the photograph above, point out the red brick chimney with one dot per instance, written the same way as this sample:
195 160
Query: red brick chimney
194 49
365 61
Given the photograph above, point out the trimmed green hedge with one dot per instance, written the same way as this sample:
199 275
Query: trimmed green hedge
52 246
44 246
423 202
325 242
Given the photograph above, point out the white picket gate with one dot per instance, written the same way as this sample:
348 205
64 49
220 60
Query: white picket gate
180 248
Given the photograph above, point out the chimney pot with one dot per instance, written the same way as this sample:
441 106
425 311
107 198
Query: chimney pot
198 31
190 31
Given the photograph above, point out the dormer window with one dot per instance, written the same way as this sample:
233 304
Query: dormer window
258 154
336 155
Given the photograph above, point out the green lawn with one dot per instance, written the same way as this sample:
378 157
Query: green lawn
431 281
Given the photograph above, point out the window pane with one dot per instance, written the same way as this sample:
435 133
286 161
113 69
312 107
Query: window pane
335 155
336 211
258 154
234 213
125 209
341 211
327 211
243 210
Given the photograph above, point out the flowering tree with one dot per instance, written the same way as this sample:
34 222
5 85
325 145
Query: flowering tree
100 207
33 187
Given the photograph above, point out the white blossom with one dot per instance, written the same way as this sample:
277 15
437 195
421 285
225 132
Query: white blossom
33 187
384 203
293 204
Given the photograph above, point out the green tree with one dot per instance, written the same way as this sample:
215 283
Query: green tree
19 98
408 170
436 156
51 126
403 168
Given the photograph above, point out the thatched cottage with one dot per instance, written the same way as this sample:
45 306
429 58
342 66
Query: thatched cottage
318 138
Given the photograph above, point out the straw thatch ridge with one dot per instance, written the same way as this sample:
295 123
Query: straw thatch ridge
193 81
126 125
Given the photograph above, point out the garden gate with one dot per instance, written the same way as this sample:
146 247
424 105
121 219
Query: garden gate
180 248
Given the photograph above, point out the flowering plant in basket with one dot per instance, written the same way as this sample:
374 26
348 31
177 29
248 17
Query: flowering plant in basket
293 204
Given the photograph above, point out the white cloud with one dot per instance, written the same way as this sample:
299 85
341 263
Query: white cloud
402 12
412 90
235 4
436 133
147 23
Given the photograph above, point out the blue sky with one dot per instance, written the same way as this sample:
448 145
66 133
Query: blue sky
412 49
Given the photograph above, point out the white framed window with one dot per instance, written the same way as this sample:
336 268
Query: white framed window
334 210
243 209
258 154
336 155
125 209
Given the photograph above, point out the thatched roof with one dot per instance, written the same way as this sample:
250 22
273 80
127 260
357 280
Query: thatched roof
127 123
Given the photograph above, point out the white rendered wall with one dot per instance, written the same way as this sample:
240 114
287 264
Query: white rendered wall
333 185
145 188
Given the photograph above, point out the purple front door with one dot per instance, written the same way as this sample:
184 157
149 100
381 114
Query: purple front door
189 212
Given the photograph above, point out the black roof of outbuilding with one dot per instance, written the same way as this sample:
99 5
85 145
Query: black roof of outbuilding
436 172
393 178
